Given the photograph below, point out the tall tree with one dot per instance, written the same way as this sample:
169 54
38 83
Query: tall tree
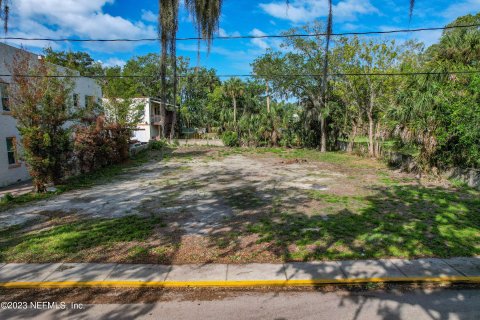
439 113
206 15
369 94
234 88
80 61
42 105
264 68
4 13
304 60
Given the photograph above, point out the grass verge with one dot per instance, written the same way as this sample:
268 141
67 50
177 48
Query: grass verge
75 240
402 221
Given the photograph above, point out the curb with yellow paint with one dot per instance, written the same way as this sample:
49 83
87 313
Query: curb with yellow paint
243 283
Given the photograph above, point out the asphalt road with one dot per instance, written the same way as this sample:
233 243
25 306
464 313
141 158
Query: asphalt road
436 304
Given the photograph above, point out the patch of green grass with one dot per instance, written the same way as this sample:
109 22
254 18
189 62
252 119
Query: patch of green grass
385 179
308 154
337 201
138 253
457 183
163 253
396 221
330 198
315 155
8 202
71 240
269 150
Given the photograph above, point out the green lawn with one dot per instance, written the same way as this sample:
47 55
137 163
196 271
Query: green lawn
396 221
74 240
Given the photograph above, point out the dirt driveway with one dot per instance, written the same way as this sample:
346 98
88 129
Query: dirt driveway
198 188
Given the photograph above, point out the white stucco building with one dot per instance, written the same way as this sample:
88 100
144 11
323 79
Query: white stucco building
149 126
12 168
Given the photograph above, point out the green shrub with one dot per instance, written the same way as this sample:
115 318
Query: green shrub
7 198
230 139
158 144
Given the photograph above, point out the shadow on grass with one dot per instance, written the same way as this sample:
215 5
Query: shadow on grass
397 221
185 153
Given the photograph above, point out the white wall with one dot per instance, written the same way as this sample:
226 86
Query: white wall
82 87
9 174
143 132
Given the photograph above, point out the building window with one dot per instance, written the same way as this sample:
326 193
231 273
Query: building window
76 102
12 150
4 95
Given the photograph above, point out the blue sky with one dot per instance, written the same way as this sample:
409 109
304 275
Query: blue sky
137 19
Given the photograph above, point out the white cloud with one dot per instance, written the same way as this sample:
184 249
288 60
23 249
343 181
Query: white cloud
259 42
148 16
238 59
307 10
426 37
223 33
72 18
461 8
113 62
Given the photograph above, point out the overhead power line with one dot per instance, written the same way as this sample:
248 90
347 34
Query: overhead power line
250 75
296 35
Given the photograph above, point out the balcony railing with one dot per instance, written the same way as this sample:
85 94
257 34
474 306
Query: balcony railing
155 119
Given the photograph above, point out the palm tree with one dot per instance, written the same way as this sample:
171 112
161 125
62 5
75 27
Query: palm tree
4 13
234 89
206 16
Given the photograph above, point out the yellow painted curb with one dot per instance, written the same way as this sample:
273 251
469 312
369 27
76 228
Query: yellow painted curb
249 283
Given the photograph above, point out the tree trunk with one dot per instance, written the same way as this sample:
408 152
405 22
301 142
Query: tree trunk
351 139
323 138
175 83
323 129
323 135
268 99
234 110
172 128
377 140
163 120
371 151
163 94
39 186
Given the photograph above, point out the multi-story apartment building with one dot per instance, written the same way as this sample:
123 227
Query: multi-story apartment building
12 168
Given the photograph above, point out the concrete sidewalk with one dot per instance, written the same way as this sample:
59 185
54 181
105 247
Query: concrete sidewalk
18 275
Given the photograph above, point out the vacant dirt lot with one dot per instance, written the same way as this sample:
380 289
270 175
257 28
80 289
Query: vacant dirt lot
227 205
